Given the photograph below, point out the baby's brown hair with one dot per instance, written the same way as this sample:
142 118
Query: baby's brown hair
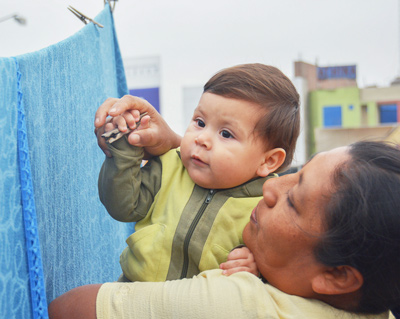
268 87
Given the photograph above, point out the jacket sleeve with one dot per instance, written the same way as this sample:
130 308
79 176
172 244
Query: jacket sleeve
208 295
125 189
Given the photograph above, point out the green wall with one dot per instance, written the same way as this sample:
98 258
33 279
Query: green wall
344 97
348 98
373 113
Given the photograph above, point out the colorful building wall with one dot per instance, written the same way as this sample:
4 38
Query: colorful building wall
372 113
340 112
383 104
352 108
332 109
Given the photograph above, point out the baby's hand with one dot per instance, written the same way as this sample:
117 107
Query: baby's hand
125 120
154 135
240 259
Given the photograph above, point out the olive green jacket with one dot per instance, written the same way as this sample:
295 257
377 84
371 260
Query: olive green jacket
181 228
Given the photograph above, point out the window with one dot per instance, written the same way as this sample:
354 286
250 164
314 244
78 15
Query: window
332 116
388 113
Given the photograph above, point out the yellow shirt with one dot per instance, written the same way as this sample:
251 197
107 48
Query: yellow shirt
211 295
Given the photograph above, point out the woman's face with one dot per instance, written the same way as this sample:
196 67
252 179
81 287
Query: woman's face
285 225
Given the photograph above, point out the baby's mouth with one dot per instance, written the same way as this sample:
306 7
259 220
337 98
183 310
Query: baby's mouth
197 160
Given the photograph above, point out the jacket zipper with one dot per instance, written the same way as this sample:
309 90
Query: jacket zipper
191 230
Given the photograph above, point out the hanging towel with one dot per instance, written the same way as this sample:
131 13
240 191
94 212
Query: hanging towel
14 278
62 87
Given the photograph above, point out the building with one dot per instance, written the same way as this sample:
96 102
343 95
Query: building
338 112
143 78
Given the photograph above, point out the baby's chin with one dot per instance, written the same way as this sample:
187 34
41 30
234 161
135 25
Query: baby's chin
210 184
200 182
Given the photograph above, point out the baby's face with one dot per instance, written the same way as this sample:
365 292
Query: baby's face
219 149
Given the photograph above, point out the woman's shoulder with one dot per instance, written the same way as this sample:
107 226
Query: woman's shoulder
265 301
211 294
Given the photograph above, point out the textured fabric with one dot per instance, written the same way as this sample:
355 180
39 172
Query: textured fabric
211 295
62 87
182 228
32 244
14 278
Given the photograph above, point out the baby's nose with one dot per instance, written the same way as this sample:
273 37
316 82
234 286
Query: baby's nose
204 139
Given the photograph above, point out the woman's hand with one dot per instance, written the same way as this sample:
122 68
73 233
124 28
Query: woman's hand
153 134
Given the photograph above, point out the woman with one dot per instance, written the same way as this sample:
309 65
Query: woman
326 240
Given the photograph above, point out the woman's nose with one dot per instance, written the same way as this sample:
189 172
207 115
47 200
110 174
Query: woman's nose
277 187
270 193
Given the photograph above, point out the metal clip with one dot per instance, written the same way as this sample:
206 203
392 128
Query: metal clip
82 17
116 134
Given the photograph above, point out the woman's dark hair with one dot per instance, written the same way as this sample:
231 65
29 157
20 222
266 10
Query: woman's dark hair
362 223
268 87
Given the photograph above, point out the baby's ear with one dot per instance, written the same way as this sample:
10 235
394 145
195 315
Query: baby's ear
273 159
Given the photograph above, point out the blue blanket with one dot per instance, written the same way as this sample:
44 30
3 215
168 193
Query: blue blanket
62 87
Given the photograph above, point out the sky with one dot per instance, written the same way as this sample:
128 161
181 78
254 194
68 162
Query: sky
195 39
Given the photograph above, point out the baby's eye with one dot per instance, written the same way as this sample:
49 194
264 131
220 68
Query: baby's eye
226 134
200 123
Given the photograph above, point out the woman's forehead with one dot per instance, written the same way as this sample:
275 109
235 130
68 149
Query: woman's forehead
337 153
330 159
316 175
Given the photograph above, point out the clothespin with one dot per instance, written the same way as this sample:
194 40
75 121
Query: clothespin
112 6
82 17
116 134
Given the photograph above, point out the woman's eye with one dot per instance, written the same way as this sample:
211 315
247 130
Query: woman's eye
200 123
289 200
226 134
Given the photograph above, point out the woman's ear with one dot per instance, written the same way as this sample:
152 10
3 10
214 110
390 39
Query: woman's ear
273 159
337 280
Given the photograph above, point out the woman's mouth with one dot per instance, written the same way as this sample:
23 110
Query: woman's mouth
253 216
